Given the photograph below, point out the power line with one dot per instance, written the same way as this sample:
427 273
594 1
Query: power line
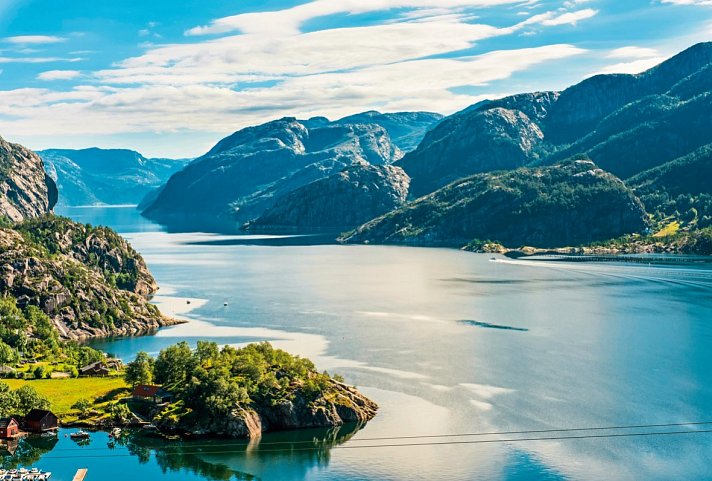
454 435
397 445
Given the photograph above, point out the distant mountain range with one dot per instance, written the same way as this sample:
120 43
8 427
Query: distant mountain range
253 169
418 177
106 176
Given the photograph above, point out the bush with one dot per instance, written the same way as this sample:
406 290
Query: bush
39 372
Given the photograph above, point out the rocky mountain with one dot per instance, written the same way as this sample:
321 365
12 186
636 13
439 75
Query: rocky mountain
106 176
25 190
625 123
88 280
245 173
341 201
570 203
406 129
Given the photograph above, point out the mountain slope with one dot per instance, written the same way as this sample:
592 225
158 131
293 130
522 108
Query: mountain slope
243 174
406 129
625 123
106 176
340 201
26 191
88 280
570 203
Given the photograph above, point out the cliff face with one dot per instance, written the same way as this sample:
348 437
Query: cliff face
474 141
88 280
571 203
25 190
106 176
341 201
406 129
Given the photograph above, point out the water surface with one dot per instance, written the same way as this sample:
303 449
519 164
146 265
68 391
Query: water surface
447 342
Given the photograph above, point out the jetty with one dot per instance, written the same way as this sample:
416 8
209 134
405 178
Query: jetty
81 475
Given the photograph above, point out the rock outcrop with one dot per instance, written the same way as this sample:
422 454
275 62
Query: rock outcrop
88 280
343 404
339 202
571 203
25 189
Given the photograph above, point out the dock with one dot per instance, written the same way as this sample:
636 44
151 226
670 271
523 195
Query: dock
81 475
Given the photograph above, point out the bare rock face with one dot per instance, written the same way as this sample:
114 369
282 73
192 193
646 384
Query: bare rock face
340 201
26 191
475 141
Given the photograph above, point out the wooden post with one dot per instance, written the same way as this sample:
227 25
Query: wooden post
81 475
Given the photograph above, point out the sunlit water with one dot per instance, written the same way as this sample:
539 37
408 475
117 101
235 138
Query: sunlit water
446 342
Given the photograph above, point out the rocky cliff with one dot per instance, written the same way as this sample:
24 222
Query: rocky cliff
341 201
571 203
106 176
25 190
406 129
88 280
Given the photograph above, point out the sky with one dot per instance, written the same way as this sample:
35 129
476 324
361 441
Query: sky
170 78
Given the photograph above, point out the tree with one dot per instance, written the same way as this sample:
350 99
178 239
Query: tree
140 370
83 406
120 413
7 354
175 364
28 399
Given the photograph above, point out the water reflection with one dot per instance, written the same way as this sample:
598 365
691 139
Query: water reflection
25 452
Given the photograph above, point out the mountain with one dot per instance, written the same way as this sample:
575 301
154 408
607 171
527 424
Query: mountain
625 123
246 172
26 191
570 203
679 189
406 129
106 176
341 201
88 280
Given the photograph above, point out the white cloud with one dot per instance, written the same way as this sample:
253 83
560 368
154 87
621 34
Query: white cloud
632 67
633 52
551 19
36 59
288 21
422 84
33 39
703 3
59 75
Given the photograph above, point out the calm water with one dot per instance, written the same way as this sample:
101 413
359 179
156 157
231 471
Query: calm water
446 342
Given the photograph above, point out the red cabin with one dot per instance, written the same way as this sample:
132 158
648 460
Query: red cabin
9 428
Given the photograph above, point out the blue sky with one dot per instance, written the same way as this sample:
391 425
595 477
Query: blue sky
170 78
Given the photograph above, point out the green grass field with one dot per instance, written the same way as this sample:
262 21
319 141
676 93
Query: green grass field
62 393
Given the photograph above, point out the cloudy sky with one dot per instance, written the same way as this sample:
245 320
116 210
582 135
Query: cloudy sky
170 78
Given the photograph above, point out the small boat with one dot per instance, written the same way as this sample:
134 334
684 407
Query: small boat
224 304
79 435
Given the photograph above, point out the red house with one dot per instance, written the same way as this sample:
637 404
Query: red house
9 428
154 394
